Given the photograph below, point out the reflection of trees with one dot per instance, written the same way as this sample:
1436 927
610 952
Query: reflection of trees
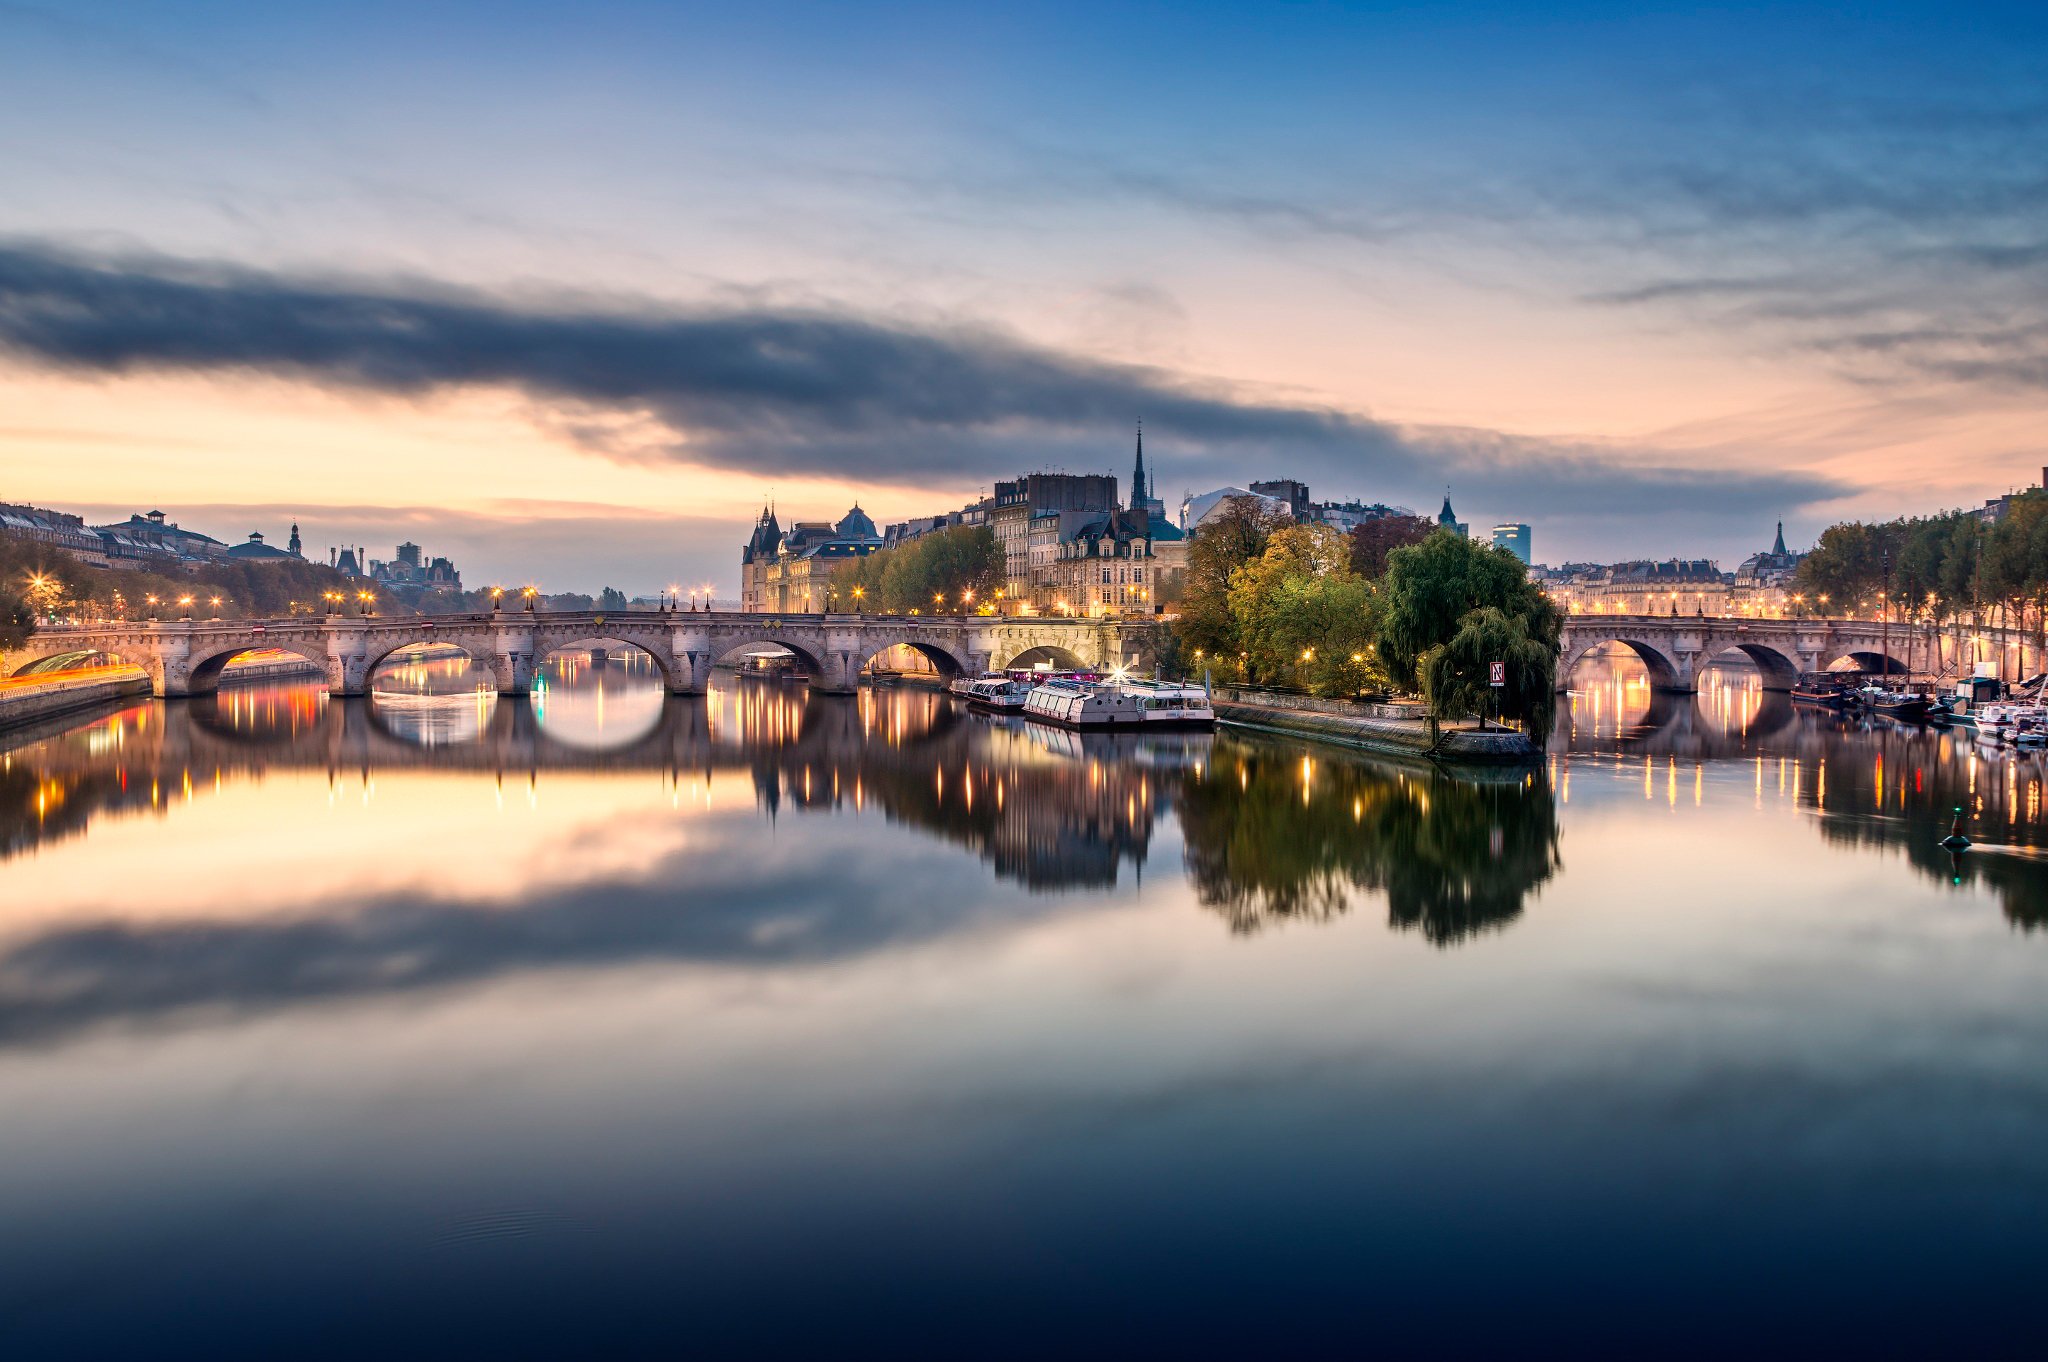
1273 834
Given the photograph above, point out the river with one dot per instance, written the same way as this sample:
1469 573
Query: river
769 1024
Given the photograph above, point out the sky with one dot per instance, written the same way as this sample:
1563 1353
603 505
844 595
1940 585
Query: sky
567 293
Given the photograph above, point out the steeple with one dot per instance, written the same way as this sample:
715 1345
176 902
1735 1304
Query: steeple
1139 491
292 545
1447 516
1779 547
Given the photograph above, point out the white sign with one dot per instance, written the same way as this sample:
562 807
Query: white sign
1496 673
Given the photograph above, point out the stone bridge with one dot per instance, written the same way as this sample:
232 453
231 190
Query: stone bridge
185 657
1676 648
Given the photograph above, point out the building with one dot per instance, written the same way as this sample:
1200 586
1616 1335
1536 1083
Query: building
1995 508
1197 507
60 531
153 538
1448 519
786 573
254 550
412 575
1103 567
1292 495
1680 586
1512 537
1016 506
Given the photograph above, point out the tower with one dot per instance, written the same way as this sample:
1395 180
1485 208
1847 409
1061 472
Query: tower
1142 499
1779 547
292 545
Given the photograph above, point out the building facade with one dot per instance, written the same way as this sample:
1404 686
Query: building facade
1103 568
1514 538
791 573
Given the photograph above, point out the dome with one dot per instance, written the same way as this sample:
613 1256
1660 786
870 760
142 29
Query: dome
855 524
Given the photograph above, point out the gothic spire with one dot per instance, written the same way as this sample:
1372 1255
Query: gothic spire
1139 491
1779 547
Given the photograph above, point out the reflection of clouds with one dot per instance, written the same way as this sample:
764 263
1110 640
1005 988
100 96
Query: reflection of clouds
813 903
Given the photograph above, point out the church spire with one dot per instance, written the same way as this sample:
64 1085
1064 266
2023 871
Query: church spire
1139 491
1779 547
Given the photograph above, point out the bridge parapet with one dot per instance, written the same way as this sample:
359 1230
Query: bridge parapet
186 657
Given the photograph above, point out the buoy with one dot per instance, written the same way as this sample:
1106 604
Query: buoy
1955 841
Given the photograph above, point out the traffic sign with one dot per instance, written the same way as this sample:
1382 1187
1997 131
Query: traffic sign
1496 673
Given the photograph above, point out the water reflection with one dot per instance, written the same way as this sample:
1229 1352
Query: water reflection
1276 833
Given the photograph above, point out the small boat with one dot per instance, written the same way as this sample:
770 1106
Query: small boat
1909 707
1120 704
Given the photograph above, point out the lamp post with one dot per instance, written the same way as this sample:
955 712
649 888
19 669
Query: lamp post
185 604
529 593
216 607
859 595
152 606
365 603
497 598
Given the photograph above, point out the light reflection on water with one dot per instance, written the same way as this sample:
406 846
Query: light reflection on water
579 1015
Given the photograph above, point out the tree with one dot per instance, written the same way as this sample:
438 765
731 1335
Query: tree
1373 540
1300 613
935 571
611 598
1456 674
1234 534
1431 587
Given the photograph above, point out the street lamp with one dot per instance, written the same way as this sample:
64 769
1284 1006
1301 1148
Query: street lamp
216 607
185 603
529 592
366 601
152 606
497 597
859 595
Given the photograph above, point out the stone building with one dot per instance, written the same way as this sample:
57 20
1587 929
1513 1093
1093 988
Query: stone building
1104 567
791 573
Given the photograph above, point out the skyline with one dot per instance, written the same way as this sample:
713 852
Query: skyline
566 299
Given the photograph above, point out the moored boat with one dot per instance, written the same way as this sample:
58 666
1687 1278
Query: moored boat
995 691
1120 704
1821 689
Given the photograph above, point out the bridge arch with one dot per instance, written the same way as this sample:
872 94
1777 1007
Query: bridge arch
654 652
1868 660
807 658
1664 673
944 660
203 671
1040 657
1778 671
68 661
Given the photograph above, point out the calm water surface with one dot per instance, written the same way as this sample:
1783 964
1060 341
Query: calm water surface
771 1024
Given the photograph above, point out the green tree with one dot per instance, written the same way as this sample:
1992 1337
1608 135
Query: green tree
1233 535
936 571
1456 674
610 599
1431 587
1300 614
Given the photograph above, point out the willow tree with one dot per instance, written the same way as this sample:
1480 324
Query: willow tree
1457 674
1431 587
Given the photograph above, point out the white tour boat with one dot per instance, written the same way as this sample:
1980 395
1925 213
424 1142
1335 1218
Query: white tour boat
996 690
1120 704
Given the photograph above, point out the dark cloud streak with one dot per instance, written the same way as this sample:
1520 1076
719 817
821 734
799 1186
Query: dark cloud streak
785 390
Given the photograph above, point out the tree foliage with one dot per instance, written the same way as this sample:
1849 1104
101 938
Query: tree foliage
1432 586
262 588
1456 673
1301 615
947 563
1373 540
1234 534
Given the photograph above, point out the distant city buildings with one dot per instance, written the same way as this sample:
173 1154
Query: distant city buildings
1515 539
1448 519
1761 586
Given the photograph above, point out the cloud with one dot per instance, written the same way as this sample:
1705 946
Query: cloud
794 391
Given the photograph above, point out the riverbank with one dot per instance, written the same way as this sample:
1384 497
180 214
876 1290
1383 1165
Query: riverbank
1395 729
22 705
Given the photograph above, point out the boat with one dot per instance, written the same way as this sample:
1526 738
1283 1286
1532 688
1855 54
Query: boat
1120 704
1822 688
997 691
1903 705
